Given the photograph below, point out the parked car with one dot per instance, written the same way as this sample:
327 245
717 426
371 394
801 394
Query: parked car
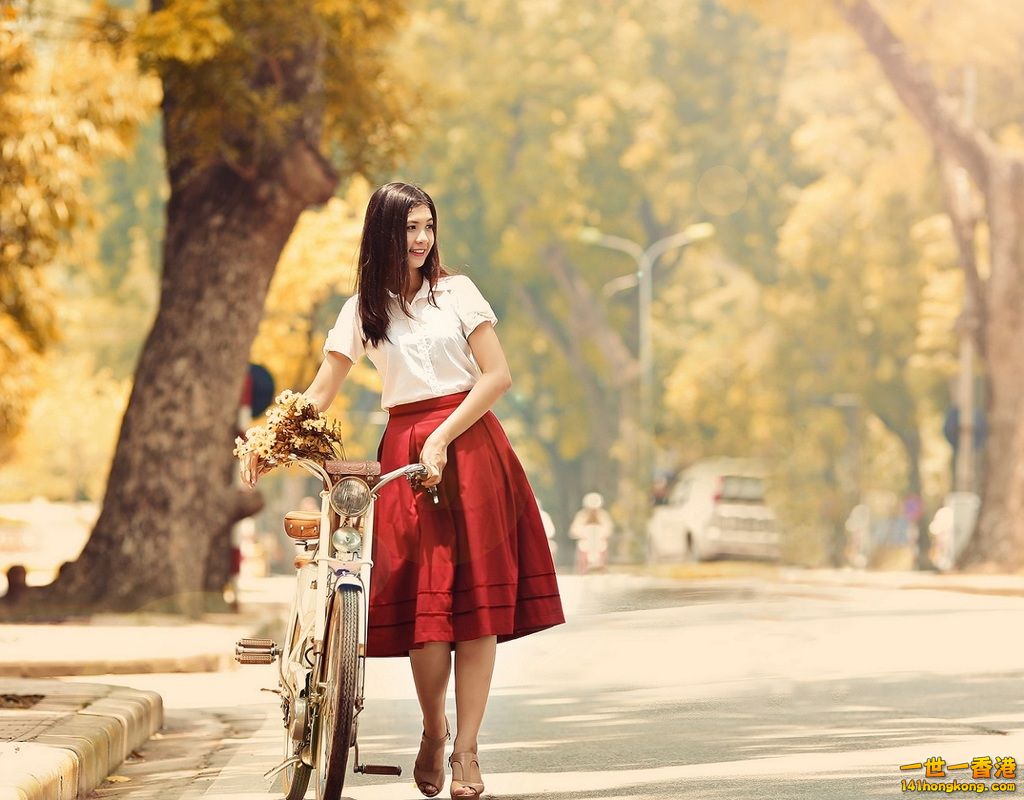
717 508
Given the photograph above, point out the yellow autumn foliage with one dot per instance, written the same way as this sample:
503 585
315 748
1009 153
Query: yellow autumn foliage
62 112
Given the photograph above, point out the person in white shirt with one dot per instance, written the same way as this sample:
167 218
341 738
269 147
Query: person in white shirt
591 527
474 570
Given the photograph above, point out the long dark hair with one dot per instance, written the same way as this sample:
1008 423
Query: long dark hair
384 256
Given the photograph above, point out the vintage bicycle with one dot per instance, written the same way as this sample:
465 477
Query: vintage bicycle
322 664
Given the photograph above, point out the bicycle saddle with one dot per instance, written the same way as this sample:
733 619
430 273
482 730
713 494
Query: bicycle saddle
302 524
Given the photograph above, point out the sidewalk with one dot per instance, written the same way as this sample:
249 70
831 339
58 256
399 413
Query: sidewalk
119 646
974 583
59 740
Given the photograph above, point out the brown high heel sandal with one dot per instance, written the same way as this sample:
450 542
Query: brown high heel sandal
469 788
424 780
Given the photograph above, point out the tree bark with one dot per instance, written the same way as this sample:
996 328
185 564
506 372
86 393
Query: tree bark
999 539
597 470
589 321
167 493
964 218
170 493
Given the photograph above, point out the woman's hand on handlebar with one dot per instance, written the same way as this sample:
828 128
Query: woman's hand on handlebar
434 456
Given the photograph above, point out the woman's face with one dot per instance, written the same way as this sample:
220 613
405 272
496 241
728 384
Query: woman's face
419 235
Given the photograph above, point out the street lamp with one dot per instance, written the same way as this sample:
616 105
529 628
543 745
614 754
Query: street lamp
643 277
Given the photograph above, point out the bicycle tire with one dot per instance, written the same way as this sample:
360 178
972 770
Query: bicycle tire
337 708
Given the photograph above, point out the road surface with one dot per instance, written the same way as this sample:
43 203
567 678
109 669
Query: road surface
714 688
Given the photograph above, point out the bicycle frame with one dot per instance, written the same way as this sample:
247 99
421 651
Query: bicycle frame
300 666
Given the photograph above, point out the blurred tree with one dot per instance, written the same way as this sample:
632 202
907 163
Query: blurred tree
119 283
261 105
989 148
105 287
70 431
858 325
638 118
998 173
62 111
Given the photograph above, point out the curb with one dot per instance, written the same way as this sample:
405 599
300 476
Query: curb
65 745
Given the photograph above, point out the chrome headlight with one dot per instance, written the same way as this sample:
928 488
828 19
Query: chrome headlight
350 497
346 540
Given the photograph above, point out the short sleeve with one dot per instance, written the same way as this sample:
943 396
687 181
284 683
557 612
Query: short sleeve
346 335
472 308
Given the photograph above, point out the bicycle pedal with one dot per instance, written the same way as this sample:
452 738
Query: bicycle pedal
248 641
256 651
378 769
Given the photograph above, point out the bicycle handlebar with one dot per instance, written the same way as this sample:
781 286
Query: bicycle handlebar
409 471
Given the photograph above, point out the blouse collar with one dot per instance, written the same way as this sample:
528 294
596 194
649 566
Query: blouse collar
423 290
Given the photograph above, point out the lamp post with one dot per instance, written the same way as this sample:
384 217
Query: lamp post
643 278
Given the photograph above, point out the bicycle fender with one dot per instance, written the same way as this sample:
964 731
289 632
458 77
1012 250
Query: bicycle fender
349 583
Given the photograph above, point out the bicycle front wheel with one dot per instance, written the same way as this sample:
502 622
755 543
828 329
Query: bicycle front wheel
340 664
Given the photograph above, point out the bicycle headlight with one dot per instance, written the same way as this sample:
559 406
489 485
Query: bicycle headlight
350 497
346 540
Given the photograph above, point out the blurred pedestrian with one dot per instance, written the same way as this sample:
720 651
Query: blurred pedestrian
591 527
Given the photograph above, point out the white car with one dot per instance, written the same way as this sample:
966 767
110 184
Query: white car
717 508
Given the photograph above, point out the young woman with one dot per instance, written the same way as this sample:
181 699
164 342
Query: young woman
475 569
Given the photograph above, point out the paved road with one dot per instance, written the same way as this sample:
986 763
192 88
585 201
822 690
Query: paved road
738 688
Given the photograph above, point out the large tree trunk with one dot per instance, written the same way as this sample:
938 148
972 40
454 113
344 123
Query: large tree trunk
170 492
999 539
999 176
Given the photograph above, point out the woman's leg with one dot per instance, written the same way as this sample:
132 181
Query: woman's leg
431 666
474 665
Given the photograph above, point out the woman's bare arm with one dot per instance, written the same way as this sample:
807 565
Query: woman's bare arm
328 380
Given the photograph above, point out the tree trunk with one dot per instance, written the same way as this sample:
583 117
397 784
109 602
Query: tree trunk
598 470
998 542
169 496
168 492
999 539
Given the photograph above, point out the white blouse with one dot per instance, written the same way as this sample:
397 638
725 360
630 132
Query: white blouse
428 354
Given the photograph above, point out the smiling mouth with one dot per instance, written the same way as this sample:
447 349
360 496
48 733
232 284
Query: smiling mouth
418 252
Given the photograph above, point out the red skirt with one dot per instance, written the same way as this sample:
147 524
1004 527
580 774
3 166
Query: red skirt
477 563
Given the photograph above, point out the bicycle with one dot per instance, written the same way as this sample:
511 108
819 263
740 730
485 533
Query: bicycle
322 664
